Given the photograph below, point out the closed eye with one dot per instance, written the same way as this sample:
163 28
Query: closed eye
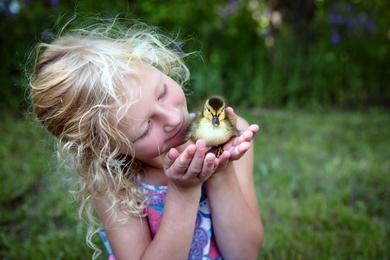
150 123
144 134
164 93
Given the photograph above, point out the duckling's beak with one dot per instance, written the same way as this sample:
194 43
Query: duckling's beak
215 120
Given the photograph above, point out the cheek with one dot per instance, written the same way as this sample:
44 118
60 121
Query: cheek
180 99
177 96
149 148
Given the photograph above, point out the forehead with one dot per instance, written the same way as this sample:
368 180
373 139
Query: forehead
142 84
138 94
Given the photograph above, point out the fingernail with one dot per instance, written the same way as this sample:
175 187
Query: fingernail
170 154
191 150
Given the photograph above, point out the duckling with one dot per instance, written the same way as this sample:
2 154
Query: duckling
212 125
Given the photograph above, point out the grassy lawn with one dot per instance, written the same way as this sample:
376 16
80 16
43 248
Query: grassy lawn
323 184
37 215
322 180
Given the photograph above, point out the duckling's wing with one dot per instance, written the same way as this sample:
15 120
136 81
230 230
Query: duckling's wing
191 128
232 126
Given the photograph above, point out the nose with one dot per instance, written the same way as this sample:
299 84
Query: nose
170 118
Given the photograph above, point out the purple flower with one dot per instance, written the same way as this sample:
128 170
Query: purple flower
335 39
227 12
54 3
349 8
343 18
335 19
199 239
370 27
195 253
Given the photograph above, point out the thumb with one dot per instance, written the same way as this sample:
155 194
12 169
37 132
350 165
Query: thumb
170 158
230 112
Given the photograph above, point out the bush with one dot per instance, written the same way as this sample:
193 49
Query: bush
295 53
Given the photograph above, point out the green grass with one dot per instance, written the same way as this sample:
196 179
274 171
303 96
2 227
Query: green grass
322 181
37 214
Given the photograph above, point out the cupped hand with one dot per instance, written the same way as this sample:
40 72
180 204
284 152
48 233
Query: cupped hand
191 167
236 147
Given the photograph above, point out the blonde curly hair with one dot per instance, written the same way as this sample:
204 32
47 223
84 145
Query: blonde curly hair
77 84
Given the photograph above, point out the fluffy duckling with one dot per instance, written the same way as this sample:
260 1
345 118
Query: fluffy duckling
212 125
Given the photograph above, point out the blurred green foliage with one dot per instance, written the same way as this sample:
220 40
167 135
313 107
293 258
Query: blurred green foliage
38 217
322 183
256 53
321 179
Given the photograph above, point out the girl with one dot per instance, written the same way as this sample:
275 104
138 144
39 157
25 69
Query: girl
113 97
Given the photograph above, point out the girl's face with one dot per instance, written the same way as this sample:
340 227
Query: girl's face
157 120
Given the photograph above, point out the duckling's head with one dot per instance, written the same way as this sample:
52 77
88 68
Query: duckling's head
214 110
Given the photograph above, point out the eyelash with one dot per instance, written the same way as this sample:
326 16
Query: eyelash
150 121
165 91
147 130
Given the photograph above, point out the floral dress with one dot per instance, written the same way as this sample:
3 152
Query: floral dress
203 245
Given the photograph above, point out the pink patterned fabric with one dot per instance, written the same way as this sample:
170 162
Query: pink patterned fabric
203 245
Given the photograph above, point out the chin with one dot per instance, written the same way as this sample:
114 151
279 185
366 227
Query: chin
173 144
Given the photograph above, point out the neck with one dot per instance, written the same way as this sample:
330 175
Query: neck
156 163
153 170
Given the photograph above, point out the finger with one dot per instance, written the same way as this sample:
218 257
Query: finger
224 156
181 164
209 165
196 164
238 151
254 128
245 136
223 161
170 158
230 112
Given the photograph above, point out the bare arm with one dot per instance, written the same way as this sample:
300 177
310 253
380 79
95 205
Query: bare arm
132 239
231 192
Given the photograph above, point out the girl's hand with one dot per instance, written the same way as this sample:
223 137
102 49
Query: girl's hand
190 168
238 145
